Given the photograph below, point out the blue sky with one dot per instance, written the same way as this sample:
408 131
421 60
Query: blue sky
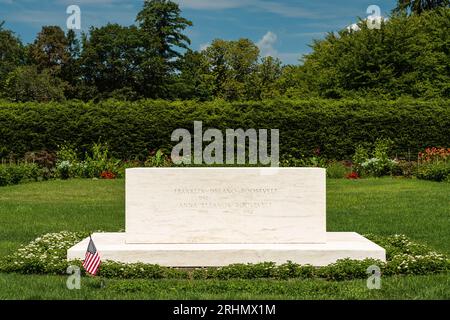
281 28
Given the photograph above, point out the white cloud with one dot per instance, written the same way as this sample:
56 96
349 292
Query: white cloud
353 27
373 22
267 48
204 46
266 44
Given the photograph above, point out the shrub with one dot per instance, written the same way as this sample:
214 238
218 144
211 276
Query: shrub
379 164
97 164
111 269
292 161
16 173
245 271
98 161
434 171
67 159
337 170
45 160
428 263
291 270
63 169
66 153
132 128
404 168
47 254
399 244
434 164
434 155
158 159
347 269
361 154
26 83
407 257
378 167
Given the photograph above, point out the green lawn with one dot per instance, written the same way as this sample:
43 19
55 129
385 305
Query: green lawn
54 287
418 209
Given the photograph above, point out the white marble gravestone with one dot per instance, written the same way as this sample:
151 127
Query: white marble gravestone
190 217
225 205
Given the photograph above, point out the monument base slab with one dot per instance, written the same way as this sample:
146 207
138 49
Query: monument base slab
339 245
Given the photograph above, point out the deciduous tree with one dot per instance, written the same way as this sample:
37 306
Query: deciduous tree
50 49
112 57
11 52
419 6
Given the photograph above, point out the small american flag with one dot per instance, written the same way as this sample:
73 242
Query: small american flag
92 259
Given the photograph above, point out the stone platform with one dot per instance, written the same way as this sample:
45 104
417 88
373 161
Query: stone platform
339 245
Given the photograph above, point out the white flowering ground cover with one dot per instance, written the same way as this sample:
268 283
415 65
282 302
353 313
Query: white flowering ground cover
47 255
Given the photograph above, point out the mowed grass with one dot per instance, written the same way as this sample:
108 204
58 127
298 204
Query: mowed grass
32 209
418 209
35 287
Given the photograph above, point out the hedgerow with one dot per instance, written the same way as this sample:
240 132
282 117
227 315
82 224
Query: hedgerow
131 129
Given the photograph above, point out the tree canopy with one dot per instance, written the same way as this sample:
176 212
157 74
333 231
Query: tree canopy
407 56
11 52
419 6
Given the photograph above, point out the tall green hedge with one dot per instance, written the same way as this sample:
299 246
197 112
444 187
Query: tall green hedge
133 128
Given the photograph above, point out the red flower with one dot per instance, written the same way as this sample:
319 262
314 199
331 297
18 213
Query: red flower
317 151
107 175
434 154
352 175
